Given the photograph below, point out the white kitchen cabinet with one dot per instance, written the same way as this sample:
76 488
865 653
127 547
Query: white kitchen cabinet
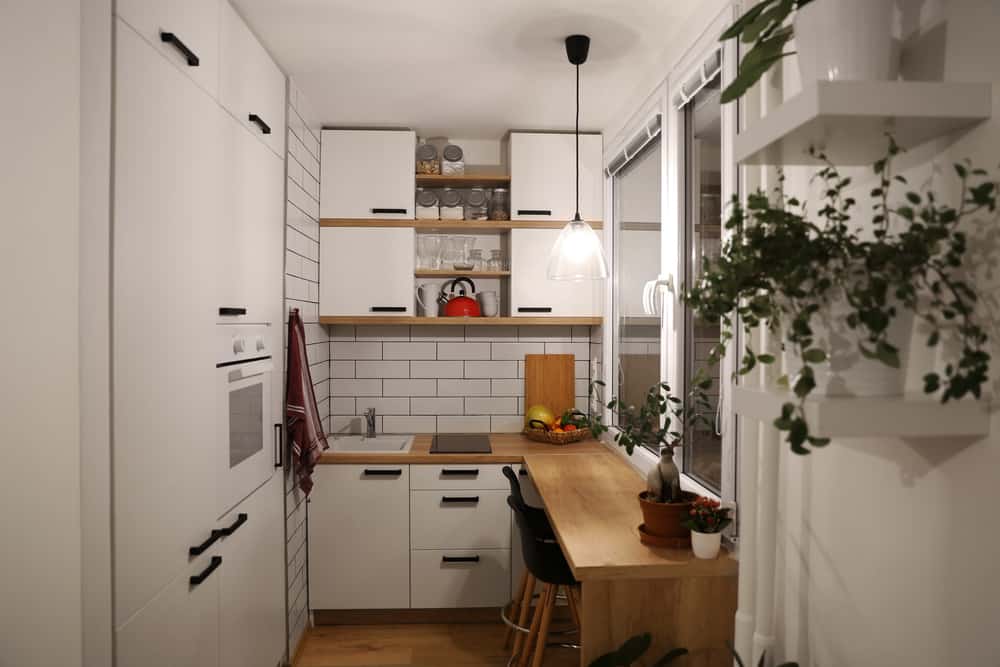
166 198
533 294
460 578
458 476
366 271
459 519
191 25
368 174
251 86
359 537
251 607
542 169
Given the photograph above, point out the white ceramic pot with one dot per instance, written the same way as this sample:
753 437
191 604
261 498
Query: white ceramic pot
706 545
846 40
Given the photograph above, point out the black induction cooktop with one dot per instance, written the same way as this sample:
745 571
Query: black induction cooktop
461 443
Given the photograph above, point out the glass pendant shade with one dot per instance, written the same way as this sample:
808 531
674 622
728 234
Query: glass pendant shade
577 254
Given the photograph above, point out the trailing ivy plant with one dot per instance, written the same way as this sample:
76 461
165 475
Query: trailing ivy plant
635 647
782 269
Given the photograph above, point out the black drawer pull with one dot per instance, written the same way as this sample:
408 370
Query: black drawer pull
400 211
455 472
533 211
459 559
203 547
384 472
227 310
171 38
264 127
241 519
388 309
207 572
279 450
460 499
534 309
522 472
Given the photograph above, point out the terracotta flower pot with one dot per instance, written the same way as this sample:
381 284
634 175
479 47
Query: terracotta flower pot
664 519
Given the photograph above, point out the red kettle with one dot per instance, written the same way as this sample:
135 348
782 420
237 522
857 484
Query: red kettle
460 305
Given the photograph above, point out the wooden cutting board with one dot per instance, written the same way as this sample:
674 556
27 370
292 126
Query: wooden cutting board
550 380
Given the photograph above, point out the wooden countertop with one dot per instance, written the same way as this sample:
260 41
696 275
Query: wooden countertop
507 448
591 502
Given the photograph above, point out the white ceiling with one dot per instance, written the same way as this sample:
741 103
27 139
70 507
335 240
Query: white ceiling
468 68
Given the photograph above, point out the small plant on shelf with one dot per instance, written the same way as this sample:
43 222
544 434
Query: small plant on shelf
706 520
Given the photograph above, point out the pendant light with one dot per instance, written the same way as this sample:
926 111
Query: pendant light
577 254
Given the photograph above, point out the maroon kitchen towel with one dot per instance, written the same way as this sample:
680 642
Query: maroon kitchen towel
305 429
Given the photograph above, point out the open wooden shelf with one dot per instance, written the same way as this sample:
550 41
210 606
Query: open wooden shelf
848 120
476 226
466 181
444 273
461 321
912 415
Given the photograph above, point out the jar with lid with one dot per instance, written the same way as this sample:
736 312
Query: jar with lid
452 161
476 205
427 159
427 205
451 204
500 204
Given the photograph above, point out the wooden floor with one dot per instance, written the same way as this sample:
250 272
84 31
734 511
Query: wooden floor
458 645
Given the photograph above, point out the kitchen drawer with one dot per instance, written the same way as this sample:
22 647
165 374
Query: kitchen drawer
458 476
459 520
440 582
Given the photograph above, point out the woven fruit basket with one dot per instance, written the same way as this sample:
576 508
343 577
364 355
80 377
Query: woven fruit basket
556 438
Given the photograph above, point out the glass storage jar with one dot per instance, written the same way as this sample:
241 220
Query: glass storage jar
427 159
500 204
427 205
452 161
451 204
476 205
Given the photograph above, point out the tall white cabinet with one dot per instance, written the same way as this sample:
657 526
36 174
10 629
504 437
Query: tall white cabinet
198 225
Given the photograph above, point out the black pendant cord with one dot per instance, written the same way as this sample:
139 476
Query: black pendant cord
577 144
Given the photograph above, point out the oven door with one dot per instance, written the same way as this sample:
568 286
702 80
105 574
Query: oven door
246 451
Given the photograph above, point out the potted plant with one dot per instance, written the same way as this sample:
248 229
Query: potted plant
706 519
662 422
635 647
834 290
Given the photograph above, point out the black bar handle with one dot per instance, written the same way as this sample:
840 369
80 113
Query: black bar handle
451 472
203 547
171 38
533 211
229 310
279 450
241 519
459 559
388 309
460 499
534 309
264 127
207 572
401 211
384 472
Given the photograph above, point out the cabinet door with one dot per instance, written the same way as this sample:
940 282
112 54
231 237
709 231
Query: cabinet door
166 197
542 168
359 537
532 294
252 599
194 25
366 271
367 174
249 81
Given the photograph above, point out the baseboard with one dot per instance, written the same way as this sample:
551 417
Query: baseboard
405 616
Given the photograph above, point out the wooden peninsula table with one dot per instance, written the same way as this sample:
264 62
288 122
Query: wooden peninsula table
627 587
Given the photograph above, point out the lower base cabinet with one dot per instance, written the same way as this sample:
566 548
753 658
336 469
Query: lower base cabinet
459 578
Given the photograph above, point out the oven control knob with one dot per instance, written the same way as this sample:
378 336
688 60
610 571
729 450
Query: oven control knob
238 345
260 343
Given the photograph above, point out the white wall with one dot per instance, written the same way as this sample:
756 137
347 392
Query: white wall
40 612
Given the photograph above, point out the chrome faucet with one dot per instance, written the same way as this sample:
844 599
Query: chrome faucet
370 422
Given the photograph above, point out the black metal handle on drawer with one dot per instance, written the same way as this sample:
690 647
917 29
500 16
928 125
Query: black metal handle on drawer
459 559
241 519
203 547
534 309
279 450
400 211
460 499
453 472
388 309
228 310
264 127
207 572
533 211
171 38
384 473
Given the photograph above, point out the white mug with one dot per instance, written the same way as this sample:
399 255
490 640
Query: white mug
489 304
427 299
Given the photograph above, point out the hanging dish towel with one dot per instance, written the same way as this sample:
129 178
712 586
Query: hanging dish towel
305 429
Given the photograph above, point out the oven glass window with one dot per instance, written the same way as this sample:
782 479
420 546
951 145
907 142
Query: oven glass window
246 423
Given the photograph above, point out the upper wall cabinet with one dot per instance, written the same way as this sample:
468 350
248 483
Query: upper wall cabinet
542 167
367 174
251 86
185 31
366 271
533 294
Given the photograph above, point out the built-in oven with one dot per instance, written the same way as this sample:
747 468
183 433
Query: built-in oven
248 444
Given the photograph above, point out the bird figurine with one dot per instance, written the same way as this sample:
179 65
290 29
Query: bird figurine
664 479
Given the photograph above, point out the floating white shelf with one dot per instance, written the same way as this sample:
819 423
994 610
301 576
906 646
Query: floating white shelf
911 416
848 120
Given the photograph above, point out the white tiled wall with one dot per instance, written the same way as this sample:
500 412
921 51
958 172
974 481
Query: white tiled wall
444 378
302 292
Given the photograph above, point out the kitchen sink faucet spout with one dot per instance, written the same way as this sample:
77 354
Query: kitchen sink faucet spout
370 423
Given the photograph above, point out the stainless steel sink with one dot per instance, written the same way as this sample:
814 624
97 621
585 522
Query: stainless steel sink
386 444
